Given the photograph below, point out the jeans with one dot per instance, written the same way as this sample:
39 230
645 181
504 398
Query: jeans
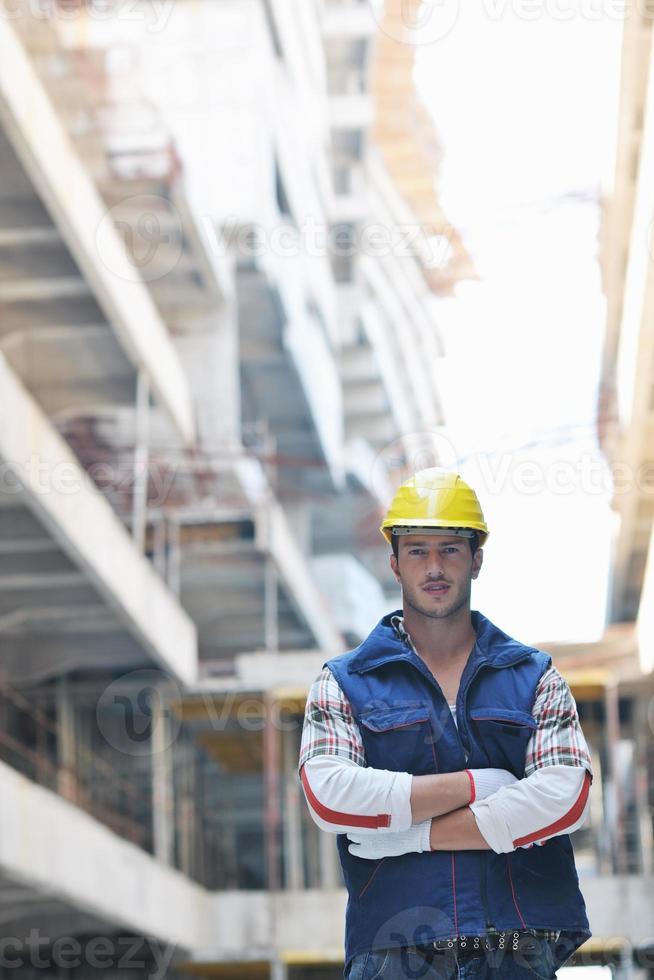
534 963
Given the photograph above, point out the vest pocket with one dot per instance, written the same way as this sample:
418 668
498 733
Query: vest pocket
400 739
503 735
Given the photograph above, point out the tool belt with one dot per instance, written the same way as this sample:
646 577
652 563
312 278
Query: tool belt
510 940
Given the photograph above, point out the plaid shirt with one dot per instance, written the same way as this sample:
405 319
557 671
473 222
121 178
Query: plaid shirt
330 728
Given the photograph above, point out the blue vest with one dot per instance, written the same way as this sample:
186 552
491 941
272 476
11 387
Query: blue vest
407 726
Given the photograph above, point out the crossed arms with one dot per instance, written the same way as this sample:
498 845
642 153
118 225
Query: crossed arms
346 796
454 828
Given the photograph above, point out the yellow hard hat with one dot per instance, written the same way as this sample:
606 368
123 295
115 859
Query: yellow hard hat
434 498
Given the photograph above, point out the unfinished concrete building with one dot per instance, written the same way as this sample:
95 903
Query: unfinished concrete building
211 375
208 382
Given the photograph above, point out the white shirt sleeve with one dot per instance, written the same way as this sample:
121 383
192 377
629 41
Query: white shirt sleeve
342 792
551 801
552 798
343 796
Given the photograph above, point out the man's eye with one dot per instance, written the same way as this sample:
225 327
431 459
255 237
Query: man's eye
416 551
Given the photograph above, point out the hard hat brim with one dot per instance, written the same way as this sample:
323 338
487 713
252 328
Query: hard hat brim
414 524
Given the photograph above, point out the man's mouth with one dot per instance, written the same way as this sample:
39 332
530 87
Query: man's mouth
435 588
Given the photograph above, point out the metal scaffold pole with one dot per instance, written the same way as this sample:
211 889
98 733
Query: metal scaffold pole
272 795
162 782
141 460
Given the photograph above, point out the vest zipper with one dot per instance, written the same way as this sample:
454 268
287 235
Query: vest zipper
483 867
490 927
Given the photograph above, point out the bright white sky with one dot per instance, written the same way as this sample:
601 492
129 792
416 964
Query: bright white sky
526 111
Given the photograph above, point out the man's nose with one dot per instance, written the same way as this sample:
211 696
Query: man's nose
434 564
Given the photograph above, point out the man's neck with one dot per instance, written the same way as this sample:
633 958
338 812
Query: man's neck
443 642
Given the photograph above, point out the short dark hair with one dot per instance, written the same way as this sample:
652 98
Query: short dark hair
474 543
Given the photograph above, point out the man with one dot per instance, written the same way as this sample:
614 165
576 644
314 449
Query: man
441 751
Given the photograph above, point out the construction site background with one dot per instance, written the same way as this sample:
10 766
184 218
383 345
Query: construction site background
222 252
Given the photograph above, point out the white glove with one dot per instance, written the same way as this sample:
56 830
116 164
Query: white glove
488 781
391 843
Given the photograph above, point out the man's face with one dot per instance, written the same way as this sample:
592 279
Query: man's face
435 572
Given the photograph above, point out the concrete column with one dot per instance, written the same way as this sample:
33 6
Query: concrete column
278 970
641 767
160 547
271 611
293 865
611 703
298 515
66 739
174 553
625 968
141 460
208 349
313 854
188 811
272 796
162 783
275 536
329 862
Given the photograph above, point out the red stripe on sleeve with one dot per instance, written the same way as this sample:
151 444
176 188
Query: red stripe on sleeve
343 819
473 788
566 820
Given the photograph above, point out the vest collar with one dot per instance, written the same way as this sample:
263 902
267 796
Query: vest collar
383 644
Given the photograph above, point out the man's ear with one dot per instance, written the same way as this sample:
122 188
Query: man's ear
395 567
477 562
